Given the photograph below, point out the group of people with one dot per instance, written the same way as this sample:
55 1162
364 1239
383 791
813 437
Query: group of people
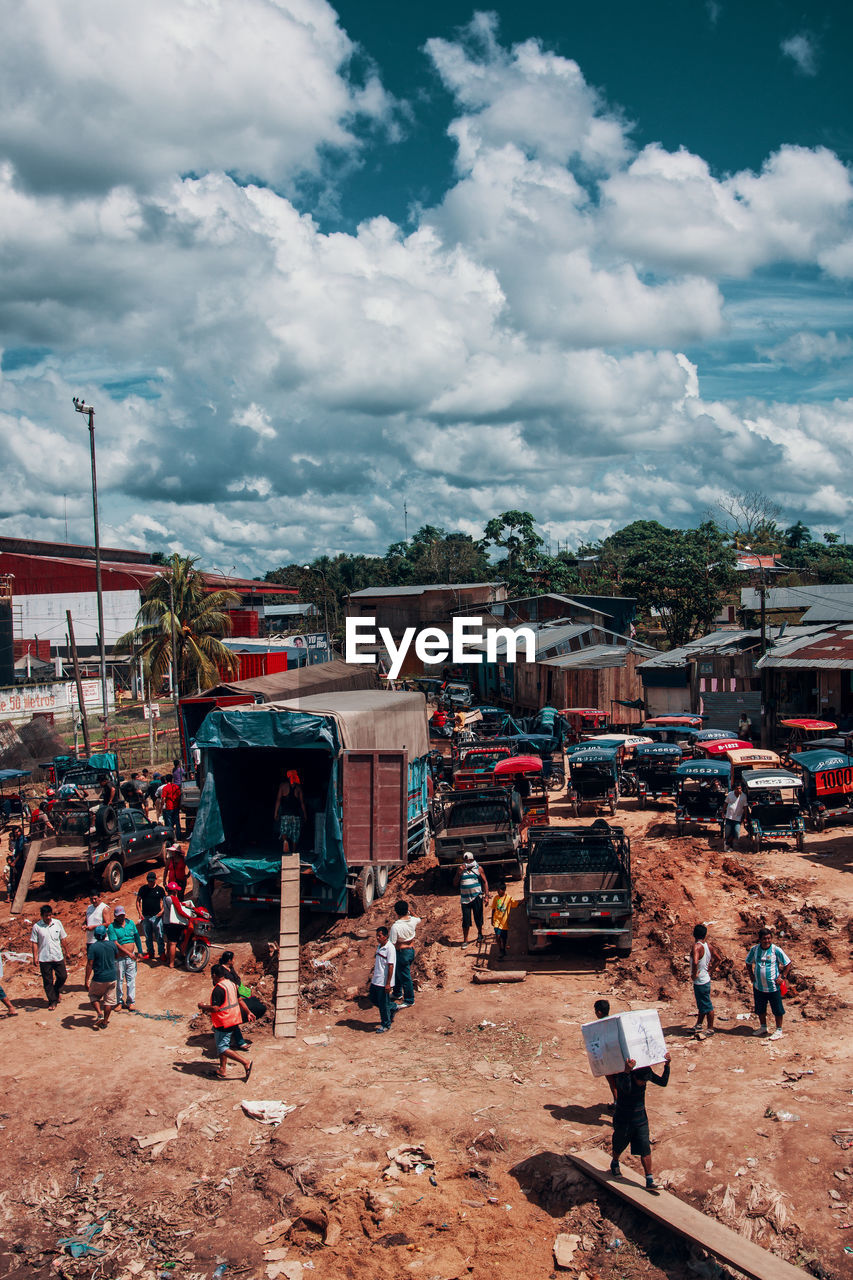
391 986
768 967
470 880
157 792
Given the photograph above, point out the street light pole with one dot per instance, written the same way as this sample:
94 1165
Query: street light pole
88 412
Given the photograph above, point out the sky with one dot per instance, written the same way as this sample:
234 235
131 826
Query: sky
315 264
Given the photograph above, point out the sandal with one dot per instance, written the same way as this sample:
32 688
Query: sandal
248 1072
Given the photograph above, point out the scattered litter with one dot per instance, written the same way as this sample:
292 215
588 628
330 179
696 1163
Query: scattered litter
613 1244
220 1270
407 1158
16 957
157 1139
270 1112
273 1233
323 1039
79 1246
787 1117
168 1016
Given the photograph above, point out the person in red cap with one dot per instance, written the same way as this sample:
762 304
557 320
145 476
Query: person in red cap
177 920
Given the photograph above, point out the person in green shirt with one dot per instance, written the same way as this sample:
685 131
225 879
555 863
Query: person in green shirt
125 935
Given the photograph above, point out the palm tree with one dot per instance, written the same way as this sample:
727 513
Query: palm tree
177 605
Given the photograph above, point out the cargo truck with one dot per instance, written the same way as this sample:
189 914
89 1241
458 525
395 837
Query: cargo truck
361 759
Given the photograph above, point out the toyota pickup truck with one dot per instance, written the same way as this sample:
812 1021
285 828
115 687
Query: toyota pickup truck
487 823
578 885
100 841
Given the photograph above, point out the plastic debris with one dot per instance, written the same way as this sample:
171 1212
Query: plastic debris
565 1247
270 1112
220 1270
613 1244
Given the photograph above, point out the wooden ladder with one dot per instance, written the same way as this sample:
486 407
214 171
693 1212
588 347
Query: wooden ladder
287 986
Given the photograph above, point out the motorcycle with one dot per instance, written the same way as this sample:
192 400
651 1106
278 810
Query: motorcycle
194 947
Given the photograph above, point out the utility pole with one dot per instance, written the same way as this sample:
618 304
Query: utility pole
88 412
762 590
80 702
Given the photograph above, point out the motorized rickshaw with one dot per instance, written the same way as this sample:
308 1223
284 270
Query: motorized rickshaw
583 720
594 778
13 803
715 735
683 736
751 758
700 793
538 744
803 732
476 765
524 775
827 785
773 810
656 765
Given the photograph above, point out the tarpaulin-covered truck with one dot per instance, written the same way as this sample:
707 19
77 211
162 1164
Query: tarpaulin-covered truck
361 761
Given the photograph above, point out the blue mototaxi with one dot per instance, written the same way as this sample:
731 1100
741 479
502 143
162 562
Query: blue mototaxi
594 779
656 764
773 809
700 793
827 785
714 735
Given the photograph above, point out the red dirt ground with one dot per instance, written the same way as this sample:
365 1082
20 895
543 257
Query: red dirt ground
490 1081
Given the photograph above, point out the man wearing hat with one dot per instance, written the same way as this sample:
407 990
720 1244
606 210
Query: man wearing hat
474 894
103 957
125 935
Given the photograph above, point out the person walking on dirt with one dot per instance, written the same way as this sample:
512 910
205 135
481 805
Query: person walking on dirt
172 808
402 939
150 902
226 1011
47 938
125 935
96 914
176 870
473 889
382 979
289 811
502 908
630 1121
601 1009
103 961
768 966
17 857
4 999
703 958
735 809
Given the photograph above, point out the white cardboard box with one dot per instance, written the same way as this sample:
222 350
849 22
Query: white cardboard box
610 1041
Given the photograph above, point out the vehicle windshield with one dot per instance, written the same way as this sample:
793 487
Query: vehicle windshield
482 759
481 813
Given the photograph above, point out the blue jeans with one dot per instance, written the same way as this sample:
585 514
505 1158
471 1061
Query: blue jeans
153 929
403 985
126 966
380 997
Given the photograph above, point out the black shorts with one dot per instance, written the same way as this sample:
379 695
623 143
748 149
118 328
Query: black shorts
634 1131
474 909
174 932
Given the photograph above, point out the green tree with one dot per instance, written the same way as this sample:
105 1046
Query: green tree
514 532
177 603
682 574
797 535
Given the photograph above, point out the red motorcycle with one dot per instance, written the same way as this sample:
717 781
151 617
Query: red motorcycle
194 947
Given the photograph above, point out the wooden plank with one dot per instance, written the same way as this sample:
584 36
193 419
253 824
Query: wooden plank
26 876
284 1021
697 1227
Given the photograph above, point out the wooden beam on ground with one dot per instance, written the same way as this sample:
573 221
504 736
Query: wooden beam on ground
708 1233
26 876
287 984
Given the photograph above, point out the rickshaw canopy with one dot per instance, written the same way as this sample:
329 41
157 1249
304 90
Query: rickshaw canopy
820 761
615 740
597 755
673 722
809 725
761 779
518 764
716 735
659 751
724 745
14 775
753 756
704 769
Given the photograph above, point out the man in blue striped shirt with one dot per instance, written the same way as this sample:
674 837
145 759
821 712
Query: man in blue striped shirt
474 894
767 966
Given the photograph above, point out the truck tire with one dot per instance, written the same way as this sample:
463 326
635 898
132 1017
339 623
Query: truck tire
641 800
364 891
112 875
819 822
106 821
624 943
679 828
575 808
381 879
612 807
801 841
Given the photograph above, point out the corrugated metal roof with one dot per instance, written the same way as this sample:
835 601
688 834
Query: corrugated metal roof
825 648
381 592
594 655
800 597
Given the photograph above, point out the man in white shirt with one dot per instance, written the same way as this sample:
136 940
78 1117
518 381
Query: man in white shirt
402 938
382 979
96 913
735 807
46 938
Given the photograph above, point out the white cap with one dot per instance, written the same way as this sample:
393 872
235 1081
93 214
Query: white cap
467 857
